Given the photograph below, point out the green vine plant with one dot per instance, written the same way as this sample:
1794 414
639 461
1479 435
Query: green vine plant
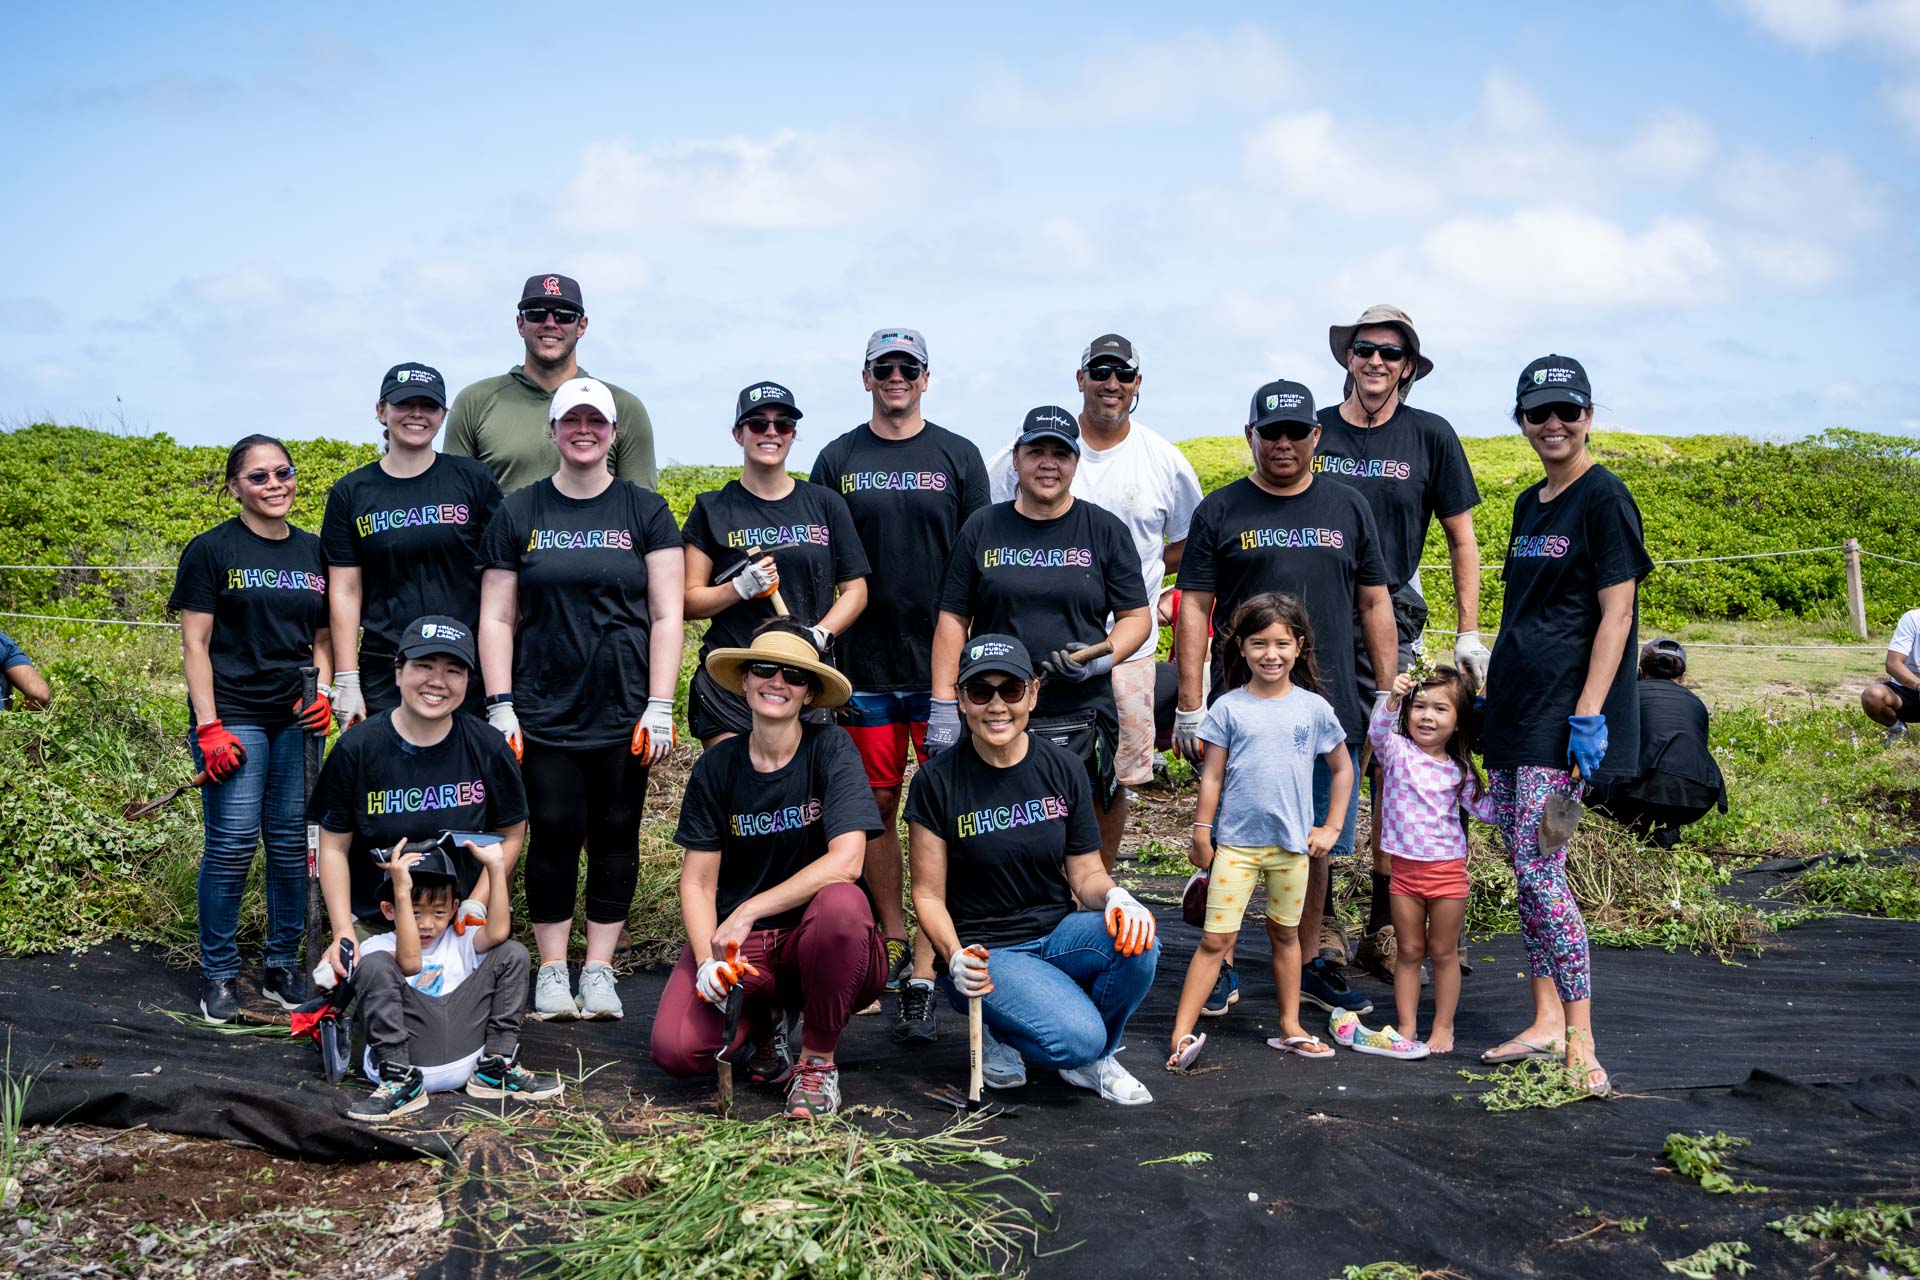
1701 1156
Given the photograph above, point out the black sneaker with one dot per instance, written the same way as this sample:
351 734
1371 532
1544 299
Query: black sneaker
899 962
772 1062
218 1000
915 1025
285 985
402 1089
498 1077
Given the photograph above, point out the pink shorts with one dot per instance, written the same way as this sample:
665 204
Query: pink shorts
1414 878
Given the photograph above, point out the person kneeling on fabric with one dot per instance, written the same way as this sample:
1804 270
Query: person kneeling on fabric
1679 781
775 826
1004 848
440 1008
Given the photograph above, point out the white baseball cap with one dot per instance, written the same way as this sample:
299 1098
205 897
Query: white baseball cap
575 392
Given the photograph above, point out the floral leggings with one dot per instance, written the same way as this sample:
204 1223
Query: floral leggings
1550 921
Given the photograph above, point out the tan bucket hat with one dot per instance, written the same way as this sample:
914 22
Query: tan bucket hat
1340 336
787 649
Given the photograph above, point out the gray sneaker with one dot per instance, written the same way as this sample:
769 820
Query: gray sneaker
1001 1067
599 997
1895 731
553 994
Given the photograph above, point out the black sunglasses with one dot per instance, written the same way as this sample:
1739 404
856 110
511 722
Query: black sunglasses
538 315
885 369
1565 412
777 426
1295 431
792 675
258 479
1101 372
981 692
1391 352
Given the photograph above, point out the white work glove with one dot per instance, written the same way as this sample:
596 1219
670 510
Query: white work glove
943 725
1060 663
967 968
757 579
349 707
500 716
822 638
1186 733
1470 656
715 979
653 735
1380 699
1128 923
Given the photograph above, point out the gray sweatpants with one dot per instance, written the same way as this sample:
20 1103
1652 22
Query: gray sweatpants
403 1026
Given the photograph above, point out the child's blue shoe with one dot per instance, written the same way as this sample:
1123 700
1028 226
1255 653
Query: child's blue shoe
1225 994
1322 985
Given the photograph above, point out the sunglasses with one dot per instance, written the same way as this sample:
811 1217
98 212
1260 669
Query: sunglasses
981 692
885 369
1295 431
770 426
1565 412
1391 352
1101 372
538 315
792 675
258 479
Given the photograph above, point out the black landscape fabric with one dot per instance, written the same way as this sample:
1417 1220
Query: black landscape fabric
1809 1051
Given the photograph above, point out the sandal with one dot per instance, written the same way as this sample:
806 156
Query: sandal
1603 1088
1528 1049
1304 1046
1187 1052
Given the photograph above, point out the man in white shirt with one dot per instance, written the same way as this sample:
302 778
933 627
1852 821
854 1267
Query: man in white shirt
1895 701
1149 484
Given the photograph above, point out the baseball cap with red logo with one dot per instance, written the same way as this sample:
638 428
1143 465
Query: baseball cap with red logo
552 291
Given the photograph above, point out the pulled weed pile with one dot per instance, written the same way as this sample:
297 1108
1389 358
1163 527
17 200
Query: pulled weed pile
1887 1229
1862 886
1702 1157
1528 1085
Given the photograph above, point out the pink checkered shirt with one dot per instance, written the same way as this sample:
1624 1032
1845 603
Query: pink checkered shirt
1420 797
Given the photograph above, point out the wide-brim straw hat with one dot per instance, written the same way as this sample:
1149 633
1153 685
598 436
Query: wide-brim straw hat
1340 336
726 666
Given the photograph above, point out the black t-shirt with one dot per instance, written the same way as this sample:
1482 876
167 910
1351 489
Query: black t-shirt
767 827
268 597
1410 468
818 548
908 499
1562 553
382 789
1676 764
1009 833
414 541
580 649
1319 546
1048 583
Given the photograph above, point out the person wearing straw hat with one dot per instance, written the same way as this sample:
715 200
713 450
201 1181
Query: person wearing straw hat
775 825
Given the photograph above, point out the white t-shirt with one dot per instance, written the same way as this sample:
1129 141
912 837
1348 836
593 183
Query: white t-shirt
443 966
1143 480
1906 639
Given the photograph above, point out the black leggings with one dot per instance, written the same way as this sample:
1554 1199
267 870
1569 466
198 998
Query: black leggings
591 796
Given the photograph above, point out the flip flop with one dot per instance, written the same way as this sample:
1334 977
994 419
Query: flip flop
1602 1090
1188 1052
1493 1057
1298 1045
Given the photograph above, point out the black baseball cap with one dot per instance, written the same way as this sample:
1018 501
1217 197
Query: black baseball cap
1000 653
1666 646
437 633
1553 380
413 381
1111 348
1050 422
1282 401
552 291
762 394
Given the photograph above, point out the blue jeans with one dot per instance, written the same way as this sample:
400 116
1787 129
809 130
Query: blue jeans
265 798
1063 1000
1323 792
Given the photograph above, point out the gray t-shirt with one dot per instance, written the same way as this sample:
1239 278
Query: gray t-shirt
1271 743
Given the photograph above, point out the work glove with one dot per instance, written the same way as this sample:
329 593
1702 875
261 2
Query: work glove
822 638
1470 655
349 706
1060 663
1186 733
943 725
1128 923
757 579
967 970
500 716
653 735
717 977
471 914
1587 745
221 750
1380 699
315 717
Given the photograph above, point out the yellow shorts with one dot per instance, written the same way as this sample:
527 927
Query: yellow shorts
1236 869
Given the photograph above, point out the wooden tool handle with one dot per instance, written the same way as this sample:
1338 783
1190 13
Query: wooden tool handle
1092 651
779 605
975 1072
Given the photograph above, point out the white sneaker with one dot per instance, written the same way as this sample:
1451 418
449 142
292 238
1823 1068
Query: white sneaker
1002 1067
599 994
553 994
1110 1080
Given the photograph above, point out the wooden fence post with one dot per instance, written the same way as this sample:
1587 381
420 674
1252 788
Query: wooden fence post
1856 595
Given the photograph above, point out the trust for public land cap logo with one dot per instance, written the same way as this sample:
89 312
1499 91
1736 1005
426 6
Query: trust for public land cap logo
992 649
754 394
1541 377
1273 402
1285 399
440 631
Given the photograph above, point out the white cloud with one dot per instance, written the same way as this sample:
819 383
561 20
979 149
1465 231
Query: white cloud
1791 192
1904 101
1565 256
1145 79
1791 261
1888 29
1307 156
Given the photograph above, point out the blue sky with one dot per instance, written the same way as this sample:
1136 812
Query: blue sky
232 218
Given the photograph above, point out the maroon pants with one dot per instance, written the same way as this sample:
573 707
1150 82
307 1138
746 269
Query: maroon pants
827 966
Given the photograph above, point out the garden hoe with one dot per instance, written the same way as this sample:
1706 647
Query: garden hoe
151 807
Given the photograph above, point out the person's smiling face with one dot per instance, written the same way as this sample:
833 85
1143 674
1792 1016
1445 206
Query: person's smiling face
584 435
1045 468
997 721
766 436
1555 439
432 687
412 422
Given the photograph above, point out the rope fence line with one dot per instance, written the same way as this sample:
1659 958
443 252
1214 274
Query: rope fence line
96 568
104 622
1896 559
1703 644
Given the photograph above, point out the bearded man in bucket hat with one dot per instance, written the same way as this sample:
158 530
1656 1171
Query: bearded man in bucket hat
1408 465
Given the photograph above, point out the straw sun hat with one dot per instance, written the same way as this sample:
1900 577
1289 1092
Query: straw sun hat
726 666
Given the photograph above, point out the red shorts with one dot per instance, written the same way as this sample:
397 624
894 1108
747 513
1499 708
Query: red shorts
1413 878
881 726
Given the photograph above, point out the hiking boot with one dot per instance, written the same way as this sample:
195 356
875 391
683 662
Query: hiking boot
553 994
1333 940
899 962
772 1062
285 985
599 993
401 1090
1377 952
218 1000
915 1025
1322 985
1001 1066
1110 1080
498 1077
1225 994
814 1090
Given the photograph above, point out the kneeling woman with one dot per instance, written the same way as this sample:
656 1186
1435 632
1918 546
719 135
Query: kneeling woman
1005 848
775 828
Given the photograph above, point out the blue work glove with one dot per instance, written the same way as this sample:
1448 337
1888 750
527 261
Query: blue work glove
943 725
1587 746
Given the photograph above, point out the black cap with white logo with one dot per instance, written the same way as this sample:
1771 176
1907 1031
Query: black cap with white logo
762 395
987 653
437 633
1050 422
1281 401
1554 380
413 381
1110 348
